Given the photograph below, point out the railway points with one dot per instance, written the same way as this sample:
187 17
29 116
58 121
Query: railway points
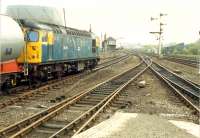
183 70
187 90
59 81
91 107
43 89
118 82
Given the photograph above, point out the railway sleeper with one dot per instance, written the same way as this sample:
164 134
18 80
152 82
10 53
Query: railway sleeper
57 125
111 89
43 131
94 98
71 111
186 89
101 93
124 95
105 89
181 85
97 97
92 102
66 117
80 107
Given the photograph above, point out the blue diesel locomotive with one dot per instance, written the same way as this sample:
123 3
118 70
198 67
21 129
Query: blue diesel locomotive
51 51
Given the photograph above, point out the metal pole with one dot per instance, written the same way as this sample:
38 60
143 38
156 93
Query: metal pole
198 55
199 62
159 47
159 44
64 16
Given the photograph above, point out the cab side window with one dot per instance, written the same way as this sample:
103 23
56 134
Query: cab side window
44 37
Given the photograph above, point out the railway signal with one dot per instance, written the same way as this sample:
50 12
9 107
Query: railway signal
160 32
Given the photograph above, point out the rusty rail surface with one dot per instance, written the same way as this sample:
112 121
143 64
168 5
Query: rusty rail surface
43 89
108 102
187 90
185 61
26 125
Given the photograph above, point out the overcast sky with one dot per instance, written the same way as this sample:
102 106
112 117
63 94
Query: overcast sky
129 19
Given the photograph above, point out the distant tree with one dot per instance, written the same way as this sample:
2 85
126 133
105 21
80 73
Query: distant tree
190 49
193 49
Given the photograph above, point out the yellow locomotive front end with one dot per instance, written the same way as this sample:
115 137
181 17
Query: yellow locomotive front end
32 51
35 40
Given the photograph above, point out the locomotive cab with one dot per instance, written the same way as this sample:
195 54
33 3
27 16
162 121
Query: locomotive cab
36 40
31 52
38 44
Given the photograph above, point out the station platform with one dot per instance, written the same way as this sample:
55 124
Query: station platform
133 125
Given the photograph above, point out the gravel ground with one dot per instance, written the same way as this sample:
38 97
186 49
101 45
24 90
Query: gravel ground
157 99
186 71
12 114
155 104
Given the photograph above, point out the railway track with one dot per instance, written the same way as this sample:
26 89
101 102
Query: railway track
189 62
111 62
73 115
186 89
24 93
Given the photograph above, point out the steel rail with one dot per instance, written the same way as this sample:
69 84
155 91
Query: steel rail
116 93
188 62
55 111
176 90
100 107
188 86
39 90
193 83
112 59
74 122
115 61
26 121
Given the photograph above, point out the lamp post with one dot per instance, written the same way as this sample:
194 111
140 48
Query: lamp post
160 32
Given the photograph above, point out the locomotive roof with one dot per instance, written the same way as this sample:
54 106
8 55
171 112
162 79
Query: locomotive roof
55 28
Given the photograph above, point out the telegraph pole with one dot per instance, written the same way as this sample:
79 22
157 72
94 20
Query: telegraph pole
160 32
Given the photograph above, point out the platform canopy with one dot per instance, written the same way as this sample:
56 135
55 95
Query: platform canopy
42 14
